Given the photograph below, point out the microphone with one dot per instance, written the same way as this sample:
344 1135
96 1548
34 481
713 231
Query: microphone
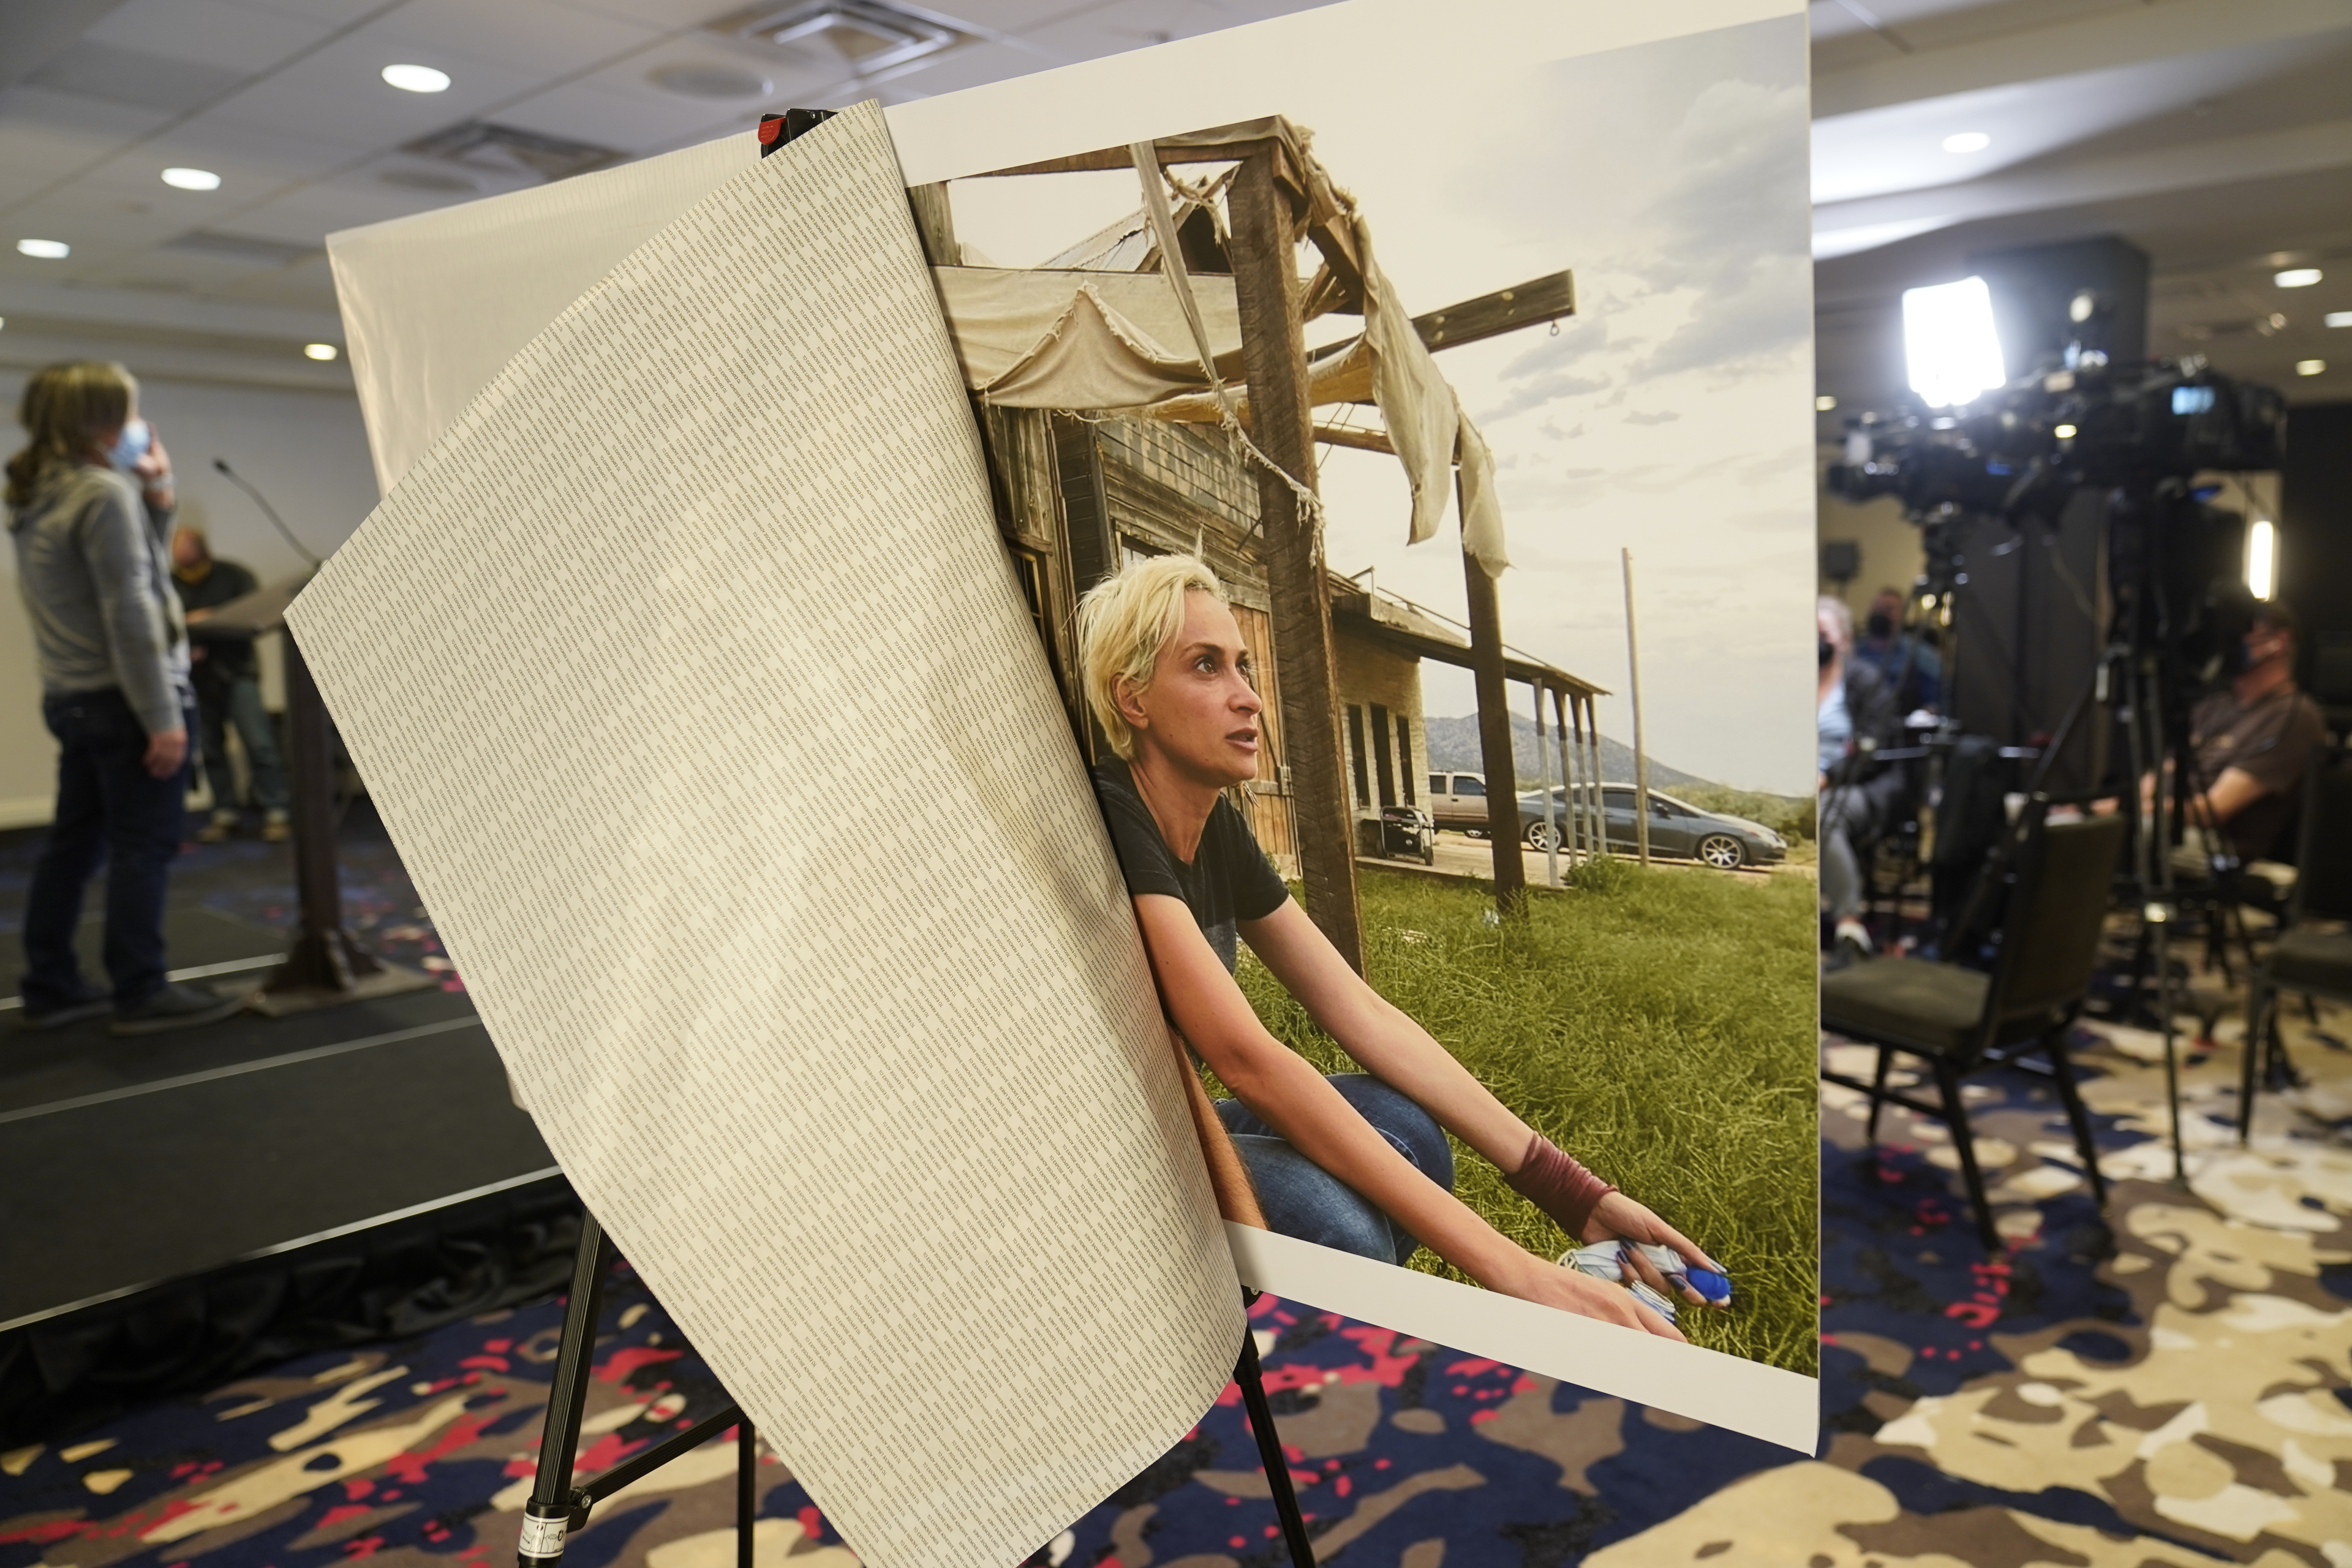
268 511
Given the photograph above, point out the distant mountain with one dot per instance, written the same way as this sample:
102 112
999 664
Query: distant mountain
1453 743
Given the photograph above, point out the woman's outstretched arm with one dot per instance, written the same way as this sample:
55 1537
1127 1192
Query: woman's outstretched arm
1288 1095
1401 1053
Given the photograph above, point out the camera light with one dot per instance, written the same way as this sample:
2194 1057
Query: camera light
2338 318
192 179
2297 277
47 249
416 78
2063 432
321 352
2311 367
1825 402
1949 342
2262 559
1967 141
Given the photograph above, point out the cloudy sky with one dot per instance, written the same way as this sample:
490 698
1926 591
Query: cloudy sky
1672 415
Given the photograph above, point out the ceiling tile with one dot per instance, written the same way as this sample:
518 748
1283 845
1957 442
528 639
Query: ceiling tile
112 74
534 37
207 32
339 92
635 121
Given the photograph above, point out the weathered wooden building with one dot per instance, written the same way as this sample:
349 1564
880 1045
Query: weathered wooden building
1214 452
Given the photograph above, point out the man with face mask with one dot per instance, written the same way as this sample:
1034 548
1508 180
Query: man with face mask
2251 739
1912 669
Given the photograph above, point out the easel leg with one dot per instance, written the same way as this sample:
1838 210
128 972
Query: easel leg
746 1488
548 1516
1270 1452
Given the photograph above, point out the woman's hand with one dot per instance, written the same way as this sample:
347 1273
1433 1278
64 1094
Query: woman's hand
1617 1217
154 470
1549 1285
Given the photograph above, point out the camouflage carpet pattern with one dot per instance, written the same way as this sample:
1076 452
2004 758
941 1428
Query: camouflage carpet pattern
2173 1386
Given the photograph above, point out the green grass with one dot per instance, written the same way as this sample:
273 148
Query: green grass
1659 1026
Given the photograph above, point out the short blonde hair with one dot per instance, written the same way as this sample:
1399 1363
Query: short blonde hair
1123 623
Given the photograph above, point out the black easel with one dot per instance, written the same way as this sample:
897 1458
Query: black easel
557 1507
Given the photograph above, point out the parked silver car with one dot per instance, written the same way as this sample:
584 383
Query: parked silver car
1677 828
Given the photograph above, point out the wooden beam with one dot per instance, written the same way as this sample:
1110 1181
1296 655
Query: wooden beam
1494 736
1124 158
1505 311
1361 440
1273 350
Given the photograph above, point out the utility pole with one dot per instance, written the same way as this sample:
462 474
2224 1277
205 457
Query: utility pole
1633 689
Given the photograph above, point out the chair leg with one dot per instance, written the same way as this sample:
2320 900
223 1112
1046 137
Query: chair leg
2257 1005
1956 1118
2076 1116
1878 1093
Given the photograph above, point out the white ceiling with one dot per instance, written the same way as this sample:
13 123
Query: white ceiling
2214 135
2217 134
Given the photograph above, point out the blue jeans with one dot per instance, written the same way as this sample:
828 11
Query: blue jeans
237 702
110 810
1302 1199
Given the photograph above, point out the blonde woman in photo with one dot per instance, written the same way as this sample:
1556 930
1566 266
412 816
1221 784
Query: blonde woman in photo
1357 1162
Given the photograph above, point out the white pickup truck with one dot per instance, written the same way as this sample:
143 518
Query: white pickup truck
1458 800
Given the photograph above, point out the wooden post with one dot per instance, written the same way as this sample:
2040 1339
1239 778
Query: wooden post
1567 778
1282 421
1543 782
1495 735
1633 689
1600 799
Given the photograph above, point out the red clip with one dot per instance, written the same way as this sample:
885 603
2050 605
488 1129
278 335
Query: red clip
772 127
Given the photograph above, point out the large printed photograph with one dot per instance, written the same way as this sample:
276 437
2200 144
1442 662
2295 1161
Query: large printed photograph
1325 445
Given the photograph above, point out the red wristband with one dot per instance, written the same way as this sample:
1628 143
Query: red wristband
1559 1186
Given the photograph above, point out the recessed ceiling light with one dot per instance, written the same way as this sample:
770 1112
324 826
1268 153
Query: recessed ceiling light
2296 277
416 78
711 81
319 351
1825 402
2311 367
2338 318
192 179
1967 141
47 249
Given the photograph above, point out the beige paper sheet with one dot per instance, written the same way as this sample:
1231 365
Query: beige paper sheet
690 676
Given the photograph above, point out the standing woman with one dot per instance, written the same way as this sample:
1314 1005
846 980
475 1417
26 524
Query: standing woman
1359 1162
89 513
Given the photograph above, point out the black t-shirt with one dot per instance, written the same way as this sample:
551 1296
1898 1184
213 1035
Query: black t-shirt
1230 878
226 658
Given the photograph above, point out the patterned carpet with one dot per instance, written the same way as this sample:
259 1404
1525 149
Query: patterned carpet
2175 1389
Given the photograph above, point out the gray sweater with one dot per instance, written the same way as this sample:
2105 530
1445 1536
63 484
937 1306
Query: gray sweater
94 566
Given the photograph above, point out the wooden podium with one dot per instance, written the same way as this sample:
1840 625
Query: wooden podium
325 963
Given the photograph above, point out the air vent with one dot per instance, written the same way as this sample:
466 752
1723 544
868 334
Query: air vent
861 37
439 181
504 150
250 249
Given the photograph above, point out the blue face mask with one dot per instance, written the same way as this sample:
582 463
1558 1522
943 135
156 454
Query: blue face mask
132 445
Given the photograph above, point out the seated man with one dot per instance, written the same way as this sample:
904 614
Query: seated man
1913 670
2251 739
